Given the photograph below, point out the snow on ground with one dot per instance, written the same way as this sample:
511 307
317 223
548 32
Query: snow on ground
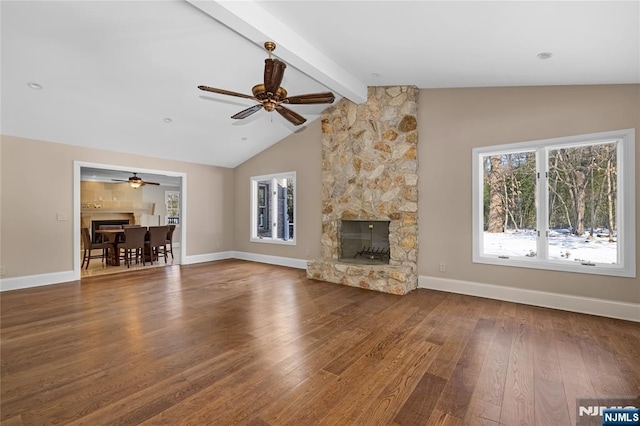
562 246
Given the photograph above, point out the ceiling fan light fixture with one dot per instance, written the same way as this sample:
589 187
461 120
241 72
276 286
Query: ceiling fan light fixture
135 184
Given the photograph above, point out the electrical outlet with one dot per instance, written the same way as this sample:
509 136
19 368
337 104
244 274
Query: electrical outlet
62 217
443 267
1 271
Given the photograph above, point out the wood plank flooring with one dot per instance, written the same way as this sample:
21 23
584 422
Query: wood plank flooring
236 342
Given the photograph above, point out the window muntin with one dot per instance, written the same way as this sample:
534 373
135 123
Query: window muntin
582 186
273 208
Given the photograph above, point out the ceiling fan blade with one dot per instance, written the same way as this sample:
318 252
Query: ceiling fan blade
119 180
295 118
225 92
247 112
311 98
144 182
273 73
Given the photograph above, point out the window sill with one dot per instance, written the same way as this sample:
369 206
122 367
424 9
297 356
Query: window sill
273 241
598 269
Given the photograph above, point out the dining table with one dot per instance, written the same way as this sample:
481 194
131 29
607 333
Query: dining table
114 258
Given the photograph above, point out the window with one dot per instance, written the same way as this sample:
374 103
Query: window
565 204
172 201
273 208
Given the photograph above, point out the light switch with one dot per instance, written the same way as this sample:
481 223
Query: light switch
62 217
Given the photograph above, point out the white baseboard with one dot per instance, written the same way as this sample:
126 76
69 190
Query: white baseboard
253 257
273 260
584 305
209 257
28 281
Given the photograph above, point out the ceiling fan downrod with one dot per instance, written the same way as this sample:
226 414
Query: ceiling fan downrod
270 46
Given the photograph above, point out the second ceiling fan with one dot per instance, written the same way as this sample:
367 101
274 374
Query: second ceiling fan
271 96
135 181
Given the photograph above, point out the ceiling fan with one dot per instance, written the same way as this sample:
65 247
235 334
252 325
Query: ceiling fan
135 182
271 96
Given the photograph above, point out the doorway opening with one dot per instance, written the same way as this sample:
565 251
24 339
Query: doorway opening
104 194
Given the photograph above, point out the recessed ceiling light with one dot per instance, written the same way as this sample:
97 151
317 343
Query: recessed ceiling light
544 55
375 75
167 120
34 86
244 138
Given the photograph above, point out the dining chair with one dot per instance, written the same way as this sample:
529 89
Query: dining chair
158 242
169 241
134 242
89 246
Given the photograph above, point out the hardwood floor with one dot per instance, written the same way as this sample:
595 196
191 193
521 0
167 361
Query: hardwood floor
236 342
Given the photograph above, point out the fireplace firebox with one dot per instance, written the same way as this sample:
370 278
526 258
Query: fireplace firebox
364 241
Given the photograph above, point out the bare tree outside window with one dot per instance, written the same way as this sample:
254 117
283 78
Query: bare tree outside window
582 181
509 200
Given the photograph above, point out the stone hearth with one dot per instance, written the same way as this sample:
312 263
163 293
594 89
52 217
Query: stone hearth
370 172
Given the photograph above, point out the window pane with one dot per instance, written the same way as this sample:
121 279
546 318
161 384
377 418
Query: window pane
172 201
264 209
509 184
287 209
582 204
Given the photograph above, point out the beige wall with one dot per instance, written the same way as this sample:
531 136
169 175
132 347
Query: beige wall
110 195
37 183
301 153
453 121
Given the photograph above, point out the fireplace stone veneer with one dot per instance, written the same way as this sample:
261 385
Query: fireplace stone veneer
370 172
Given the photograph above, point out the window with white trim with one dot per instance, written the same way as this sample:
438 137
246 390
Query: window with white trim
565 204
172 203
273 208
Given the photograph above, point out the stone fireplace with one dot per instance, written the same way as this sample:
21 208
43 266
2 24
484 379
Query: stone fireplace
370 174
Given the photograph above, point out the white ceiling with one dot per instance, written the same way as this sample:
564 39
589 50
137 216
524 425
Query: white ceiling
112 71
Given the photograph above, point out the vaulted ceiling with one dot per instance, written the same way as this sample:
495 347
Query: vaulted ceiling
123 76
